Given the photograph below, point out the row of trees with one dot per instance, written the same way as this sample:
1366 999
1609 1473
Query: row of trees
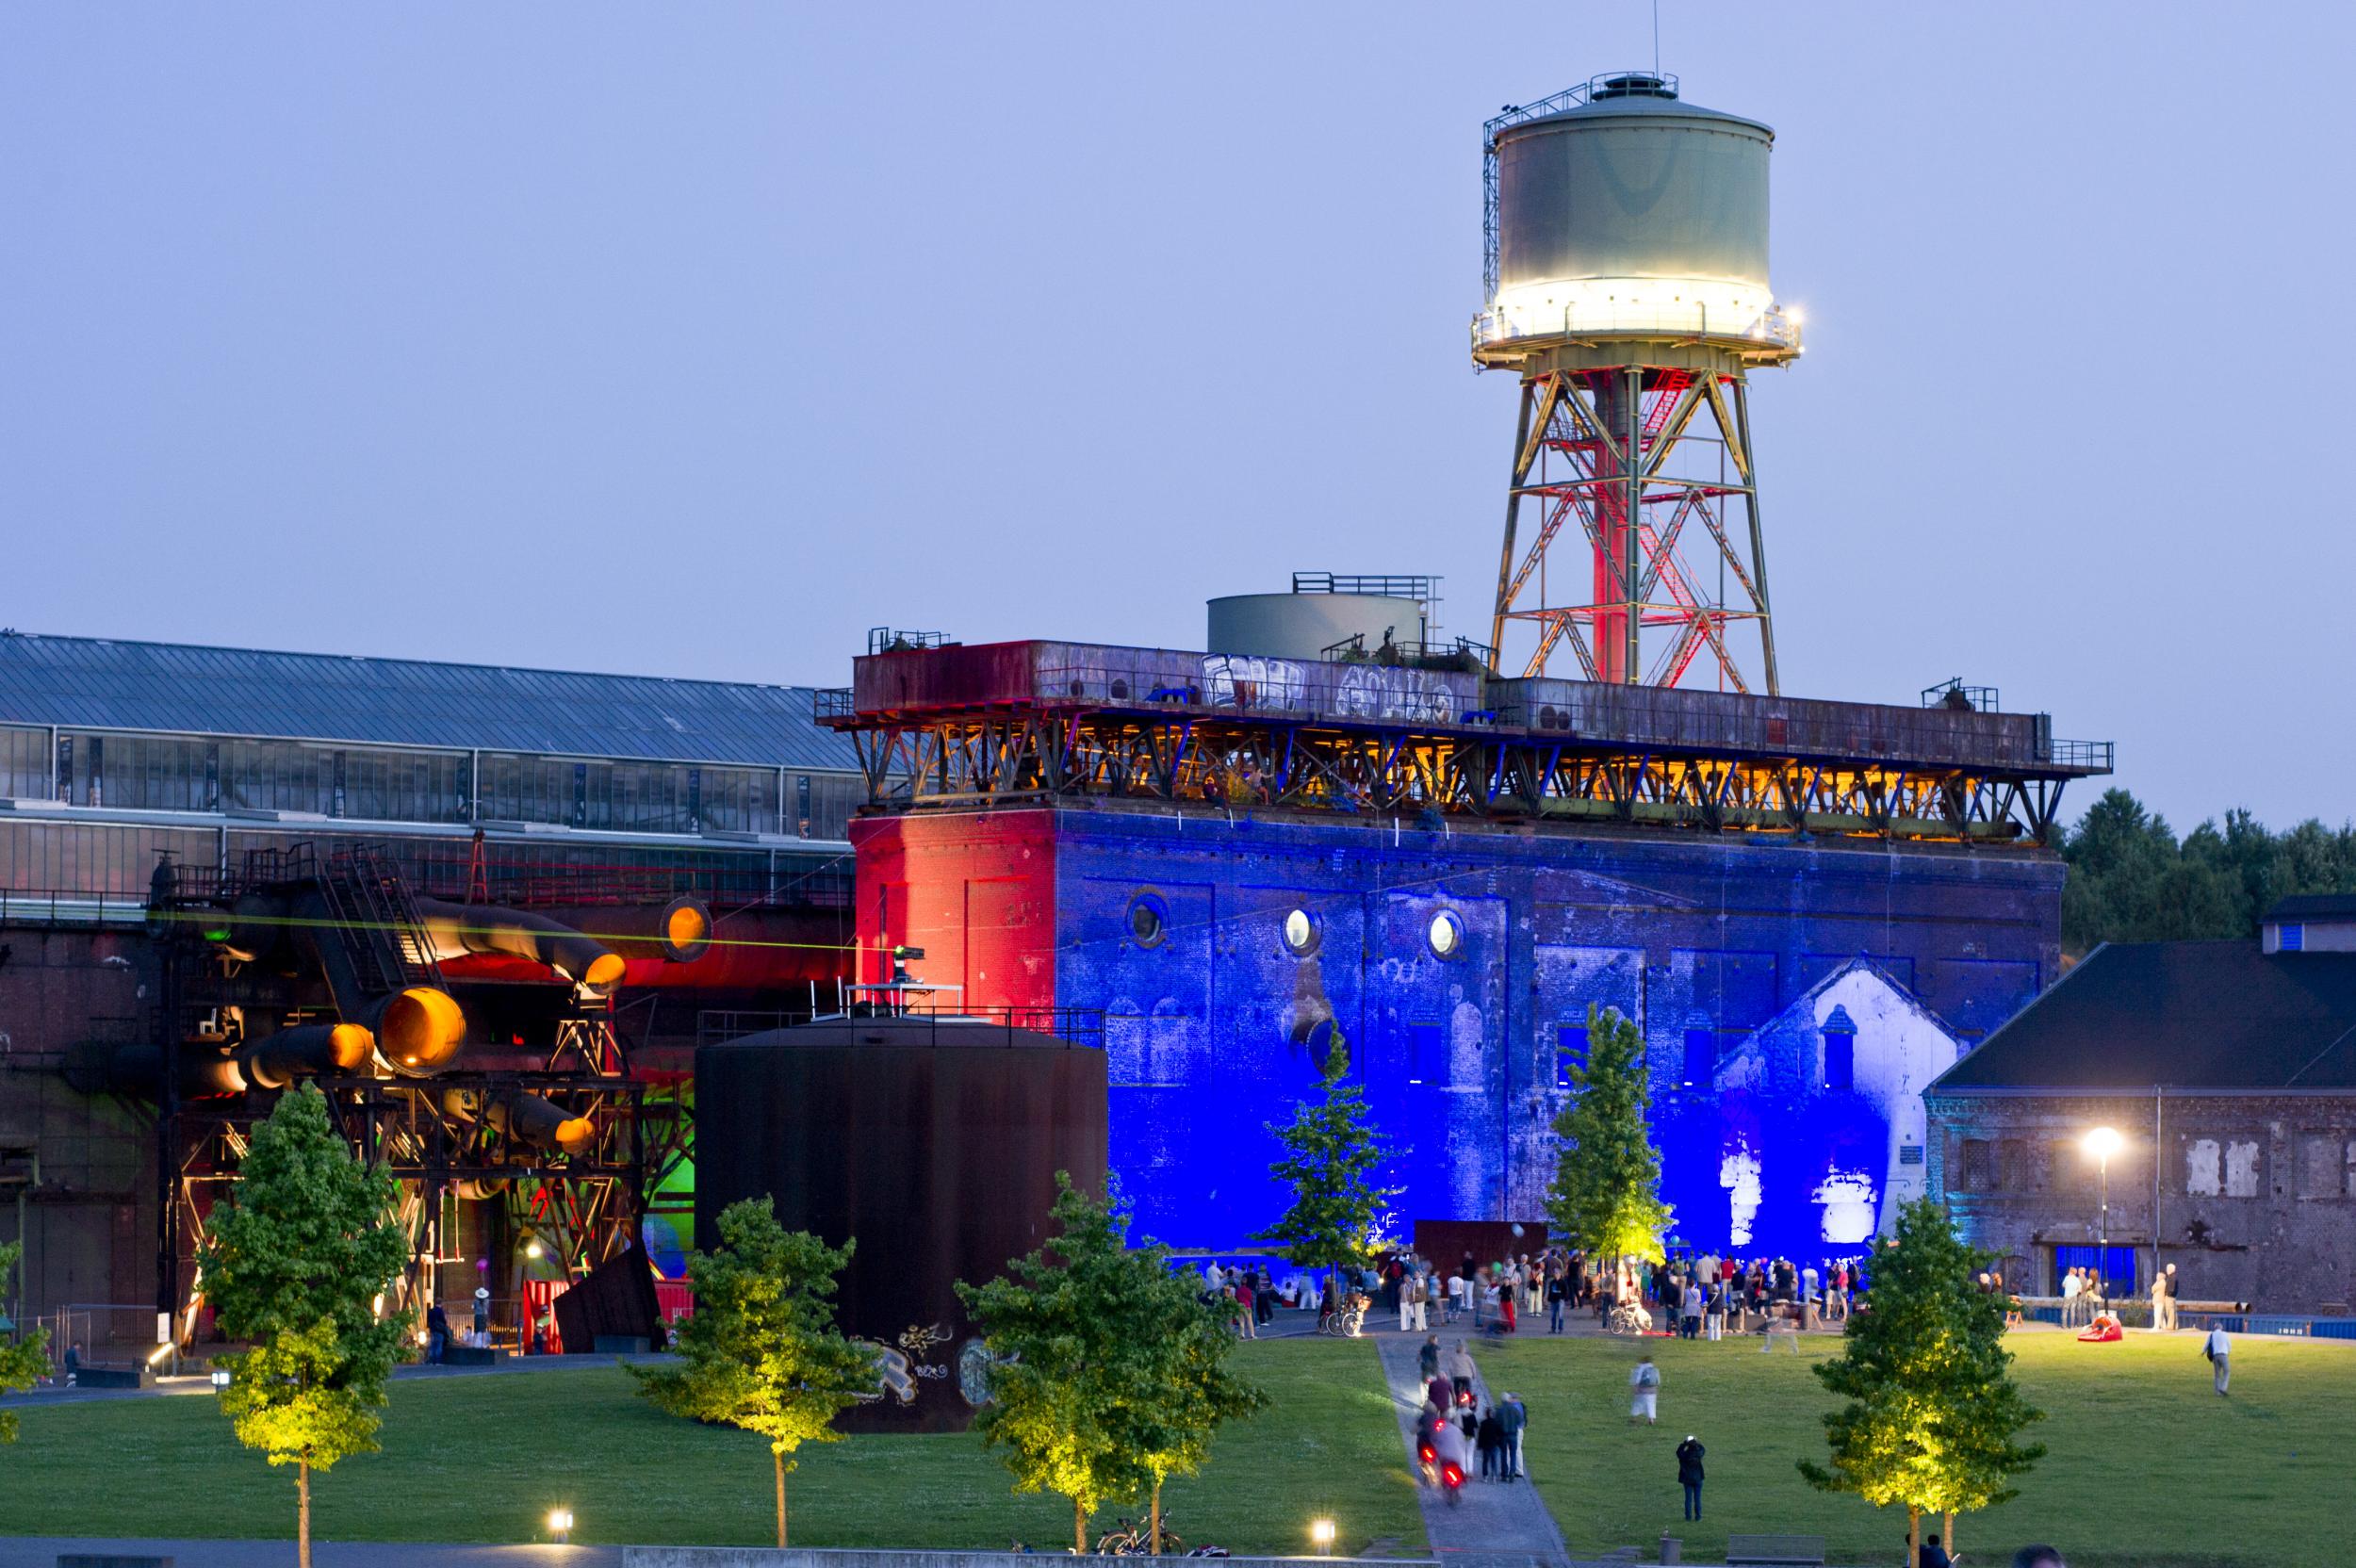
1109 1374
2132 880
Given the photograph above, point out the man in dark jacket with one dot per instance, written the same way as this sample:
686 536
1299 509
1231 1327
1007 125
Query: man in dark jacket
1933 1555
1689 1474
1513 1416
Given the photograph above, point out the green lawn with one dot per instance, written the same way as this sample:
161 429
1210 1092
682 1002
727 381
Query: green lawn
2147 1467
484 1458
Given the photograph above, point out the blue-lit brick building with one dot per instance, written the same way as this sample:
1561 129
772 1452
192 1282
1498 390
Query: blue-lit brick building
1231 866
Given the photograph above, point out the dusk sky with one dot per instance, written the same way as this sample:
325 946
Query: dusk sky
697 341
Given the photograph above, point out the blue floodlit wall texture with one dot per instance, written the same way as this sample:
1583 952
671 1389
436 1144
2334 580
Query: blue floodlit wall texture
1795 997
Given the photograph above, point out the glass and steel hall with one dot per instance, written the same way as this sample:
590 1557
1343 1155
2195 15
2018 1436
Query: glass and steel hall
113 753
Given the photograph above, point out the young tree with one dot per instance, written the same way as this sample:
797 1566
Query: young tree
1333 1150
1188 1392
293 1261
23 1362
760 1349
1078 1386
1607 1178
1932 1412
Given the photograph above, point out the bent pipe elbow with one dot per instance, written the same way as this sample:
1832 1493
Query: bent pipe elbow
456 929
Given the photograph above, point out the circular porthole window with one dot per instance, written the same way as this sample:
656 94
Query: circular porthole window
1149 920
1445 934
1301 934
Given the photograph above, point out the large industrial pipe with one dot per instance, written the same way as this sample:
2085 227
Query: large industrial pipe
206 1072
541 1123
418 1030
457 929
277 1060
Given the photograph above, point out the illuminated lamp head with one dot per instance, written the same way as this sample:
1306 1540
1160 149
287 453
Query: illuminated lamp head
419 1031
604 974
575 1135
349 1045
686 928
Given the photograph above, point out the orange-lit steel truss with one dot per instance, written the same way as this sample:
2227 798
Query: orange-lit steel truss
1182 752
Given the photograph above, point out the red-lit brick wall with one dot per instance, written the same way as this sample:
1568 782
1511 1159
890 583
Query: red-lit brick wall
976 892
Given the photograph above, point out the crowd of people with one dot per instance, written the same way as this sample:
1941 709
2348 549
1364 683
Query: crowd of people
1455 1427
1695 1295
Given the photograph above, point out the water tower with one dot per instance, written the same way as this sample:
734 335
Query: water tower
1626 281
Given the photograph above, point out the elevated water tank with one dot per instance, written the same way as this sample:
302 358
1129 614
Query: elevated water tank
1629 211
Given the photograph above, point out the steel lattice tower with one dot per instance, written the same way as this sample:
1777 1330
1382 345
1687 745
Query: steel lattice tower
1628 287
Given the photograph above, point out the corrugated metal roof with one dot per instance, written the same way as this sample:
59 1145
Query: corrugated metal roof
88 682
2187 1015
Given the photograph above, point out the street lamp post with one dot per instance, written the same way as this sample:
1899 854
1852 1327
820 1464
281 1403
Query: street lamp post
2103 1142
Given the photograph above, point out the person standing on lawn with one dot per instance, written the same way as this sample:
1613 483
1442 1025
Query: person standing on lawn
1689 1475
1644 1383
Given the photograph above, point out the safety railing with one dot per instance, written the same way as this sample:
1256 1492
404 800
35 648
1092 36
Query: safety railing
26 908
832 702
1078 1026
2084 756
1771 328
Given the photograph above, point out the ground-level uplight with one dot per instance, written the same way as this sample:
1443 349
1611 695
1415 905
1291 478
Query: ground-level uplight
220 1378
1321 1531
560 1525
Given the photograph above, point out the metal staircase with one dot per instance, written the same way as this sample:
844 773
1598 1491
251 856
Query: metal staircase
378 924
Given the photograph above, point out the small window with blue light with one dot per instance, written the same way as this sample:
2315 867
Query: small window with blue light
1701 1056
1570 1054
1839 1060
1426 1056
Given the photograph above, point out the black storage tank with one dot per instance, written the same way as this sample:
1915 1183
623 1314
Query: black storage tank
933 1142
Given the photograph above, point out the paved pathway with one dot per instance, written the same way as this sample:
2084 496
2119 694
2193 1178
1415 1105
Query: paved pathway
1503 1521
28 1551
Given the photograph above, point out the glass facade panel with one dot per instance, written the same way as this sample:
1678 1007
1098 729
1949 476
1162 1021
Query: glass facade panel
819 804
637 797
24 763
96 858
170 772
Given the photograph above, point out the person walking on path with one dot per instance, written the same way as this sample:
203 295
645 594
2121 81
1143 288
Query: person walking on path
1644 1384
2219 1350
1512 1418
1779 1326
1689 1475
1558 1296
1489 1442
1428 1357
1461 1372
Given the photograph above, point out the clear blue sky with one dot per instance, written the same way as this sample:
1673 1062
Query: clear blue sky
695 340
